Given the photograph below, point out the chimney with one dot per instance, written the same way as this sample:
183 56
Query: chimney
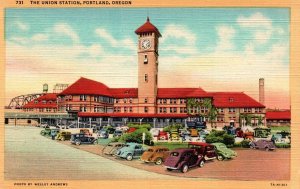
262 90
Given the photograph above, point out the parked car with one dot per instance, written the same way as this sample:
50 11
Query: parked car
196 124
82 139
102 134
154 132
205 149
278 138
174 134
229 129
284 134
49 132
223 152
86 132
262 144
262 132
63 135
183 132
112 148
183 159
130 151
194 133
156 154
118 133
162 135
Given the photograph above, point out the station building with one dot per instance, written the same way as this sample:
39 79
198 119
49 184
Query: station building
91 100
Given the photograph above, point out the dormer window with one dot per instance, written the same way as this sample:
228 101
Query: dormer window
35 101
44 101
231 99
146 59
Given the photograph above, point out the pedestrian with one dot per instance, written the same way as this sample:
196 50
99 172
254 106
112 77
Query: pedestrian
52 135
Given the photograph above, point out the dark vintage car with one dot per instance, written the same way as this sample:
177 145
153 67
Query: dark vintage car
262 144
102 134
207 150
262 132
81 138
63 135
183 159
112 148
155 154
118 133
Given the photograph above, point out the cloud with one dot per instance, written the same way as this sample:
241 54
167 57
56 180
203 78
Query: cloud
40 37
124 43
21 26
172 34
261 26
225 33
67 30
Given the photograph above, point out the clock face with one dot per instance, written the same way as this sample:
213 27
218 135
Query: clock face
146 44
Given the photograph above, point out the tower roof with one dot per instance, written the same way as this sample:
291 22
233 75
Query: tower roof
147 27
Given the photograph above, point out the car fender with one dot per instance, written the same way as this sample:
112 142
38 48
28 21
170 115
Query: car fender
200 158
181 164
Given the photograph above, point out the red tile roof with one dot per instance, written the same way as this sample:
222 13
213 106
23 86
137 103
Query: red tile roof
124 92
40 104
147 27
87 87
136 115
181 93
278 115
234 100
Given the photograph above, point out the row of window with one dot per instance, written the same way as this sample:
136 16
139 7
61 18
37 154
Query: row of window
98 99
44 101
40 109
171 101
125 109
246 110
172 110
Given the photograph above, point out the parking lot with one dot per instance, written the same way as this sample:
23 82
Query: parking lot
28 155
250 164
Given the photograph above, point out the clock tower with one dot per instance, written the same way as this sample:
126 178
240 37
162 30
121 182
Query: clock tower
148 36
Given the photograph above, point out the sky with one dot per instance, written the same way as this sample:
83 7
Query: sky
217 49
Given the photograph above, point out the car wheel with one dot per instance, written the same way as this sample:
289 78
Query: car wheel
77 142
201 164
220 157
158 161
168 169
95 142
267 148
184 168
62 139
129 157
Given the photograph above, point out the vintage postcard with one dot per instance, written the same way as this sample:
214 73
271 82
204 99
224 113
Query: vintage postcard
134 94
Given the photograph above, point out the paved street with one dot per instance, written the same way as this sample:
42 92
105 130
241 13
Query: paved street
28 155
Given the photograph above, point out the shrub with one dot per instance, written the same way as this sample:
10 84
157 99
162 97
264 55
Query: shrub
138 126
220 136
245 143
137 136
176 126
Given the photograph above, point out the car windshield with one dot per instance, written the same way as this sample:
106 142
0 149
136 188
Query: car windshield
175 154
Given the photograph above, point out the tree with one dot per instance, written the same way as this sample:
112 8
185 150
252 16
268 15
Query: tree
260 120
248 118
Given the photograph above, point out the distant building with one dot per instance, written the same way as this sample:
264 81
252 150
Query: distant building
278 117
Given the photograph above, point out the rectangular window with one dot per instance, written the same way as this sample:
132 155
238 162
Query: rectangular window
130 100
165 101
160 110
115 109
125 109
130 109
146 109
82 97
125 100
146 77
146 100
117 101
231 110
145 59
181 101
165 110
119 109
171 110
181 110
175 110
